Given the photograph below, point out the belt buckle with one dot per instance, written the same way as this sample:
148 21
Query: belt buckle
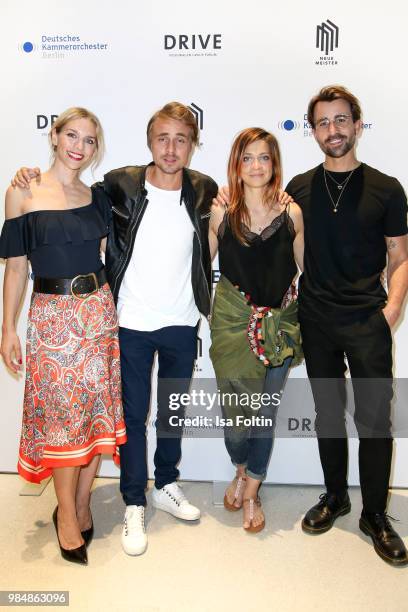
83 296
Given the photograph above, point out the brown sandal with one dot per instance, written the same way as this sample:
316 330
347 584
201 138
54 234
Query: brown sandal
252 503
238 494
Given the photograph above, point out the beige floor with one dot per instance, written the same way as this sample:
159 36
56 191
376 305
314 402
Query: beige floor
210 566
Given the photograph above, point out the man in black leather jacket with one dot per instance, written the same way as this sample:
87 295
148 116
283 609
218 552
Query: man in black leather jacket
126 190
158 237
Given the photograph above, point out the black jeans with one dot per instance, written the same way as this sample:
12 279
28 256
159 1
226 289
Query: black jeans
177 349
367 344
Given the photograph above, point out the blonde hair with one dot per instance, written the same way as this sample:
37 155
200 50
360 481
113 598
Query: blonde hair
77 112
179 112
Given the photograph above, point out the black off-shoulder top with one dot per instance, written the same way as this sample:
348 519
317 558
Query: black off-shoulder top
60 243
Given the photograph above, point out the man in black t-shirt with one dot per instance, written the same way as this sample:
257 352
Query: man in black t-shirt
355 219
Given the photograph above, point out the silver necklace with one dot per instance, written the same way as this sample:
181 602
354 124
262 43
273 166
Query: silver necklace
265 224
340 186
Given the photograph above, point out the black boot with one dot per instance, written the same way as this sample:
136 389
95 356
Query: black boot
387 543
75 555
321 517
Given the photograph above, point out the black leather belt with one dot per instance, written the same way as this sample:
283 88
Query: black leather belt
80 286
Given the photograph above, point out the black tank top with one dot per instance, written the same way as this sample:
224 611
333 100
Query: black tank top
266 268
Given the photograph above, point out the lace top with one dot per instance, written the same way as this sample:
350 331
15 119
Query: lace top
266 268
59 243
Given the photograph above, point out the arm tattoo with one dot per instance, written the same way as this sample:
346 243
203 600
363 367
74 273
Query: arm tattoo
391 244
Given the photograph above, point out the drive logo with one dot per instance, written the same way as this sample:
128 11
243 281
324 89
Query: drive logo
327 40
302 426
198 114
288 125
44 121
192 45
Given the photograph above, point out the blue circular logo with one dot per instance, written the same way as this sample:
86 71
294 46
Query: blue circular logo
28 47
288 124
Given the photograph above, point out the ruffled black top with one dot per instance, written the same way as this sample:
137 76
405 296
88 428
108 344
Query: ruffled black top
60 243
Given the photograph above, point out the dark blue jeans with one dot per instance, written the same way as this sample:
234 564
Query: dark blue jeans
252 447
177 349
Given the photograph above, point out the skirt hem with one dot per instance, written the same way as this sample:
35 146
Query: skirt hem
58 457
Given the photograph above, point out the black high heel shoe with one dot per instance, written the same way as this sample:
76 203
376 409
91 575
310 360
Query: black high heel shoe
75 555
88 534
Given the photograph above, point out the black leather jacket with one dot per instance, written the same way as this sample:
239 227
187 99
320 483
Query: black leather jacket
126 190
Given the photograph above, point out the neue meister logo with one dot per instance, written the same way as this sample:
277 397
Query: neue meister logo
327 37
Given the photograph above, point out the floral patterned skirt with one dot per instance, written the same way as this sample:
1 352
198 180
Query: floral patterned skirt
72 400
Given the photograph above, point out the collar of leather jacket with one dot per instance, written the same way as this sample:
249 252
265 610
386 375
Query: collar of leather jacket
188 192
197 189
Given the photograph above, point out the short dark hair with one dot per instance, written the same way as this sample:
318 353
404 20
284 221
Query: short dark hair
179 112
331 93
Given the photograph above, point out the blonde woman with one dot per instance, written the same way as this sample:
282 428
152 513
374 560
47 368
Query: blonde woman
72 402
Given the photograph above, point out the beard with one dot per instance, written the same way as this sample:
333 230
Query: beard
347 144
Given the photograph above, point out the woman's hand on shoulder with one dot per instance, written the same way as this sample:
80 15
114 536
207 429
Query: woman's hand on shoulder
284 198
222 198
24 176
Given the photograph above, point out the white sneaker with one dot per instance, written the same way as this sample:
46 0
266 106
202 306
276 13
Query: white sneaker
134 539
172 499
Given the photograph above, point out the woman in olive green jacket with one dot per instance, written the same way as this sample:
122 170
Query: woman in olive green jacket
254 327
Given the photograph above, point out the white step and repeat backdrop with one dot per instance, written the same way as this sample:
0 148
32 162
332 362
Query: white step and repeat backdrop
237 64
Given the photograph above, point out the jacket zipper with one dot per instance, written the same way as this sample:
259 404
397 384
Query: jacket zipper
130 250
201 265
118 212
201 253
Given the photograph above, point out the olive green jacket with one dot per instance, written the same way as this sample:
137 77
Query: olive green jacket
230 351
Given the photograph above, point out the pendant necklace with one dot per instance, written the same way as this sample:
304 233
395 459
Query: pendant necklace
340 186
264 225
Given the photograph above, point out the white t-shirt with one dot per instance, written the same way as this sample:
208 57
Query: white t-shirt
156 290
